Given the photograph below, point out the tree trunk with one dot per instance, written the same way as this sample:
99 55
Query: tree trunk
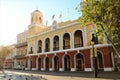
116 51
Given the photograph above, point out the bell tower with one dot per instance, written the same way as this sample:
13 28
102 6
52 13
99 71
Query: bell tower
36 17
36 24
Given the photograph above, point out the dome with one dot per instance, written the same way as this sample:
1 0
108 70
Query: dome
37 12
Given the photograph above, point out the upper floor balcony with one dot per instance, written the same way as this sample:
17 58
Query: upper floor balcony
20 56
39 51
78 45
66 47
47 50
21 44
30 52
55 48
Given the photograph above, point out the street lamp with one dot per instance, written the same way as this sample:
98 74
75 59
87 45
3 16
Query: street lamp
94 58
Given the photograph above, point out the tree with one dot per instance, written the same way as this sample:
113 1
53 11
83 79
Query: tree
106 16
4 51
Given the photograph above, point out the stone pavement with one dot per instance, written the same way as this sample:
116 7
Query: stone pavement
12 76
69 75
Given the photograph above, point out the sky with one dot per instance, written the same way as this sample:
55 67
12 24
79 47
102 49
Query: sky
15 15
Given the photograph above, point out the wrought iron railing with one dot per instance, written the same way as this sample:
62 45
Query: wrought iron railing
39 51
30 52
55 48
66 47
78 45
21 44
20 56
47 50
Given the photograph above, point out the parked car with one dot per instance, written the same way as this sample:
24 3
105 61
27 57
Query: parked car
20 67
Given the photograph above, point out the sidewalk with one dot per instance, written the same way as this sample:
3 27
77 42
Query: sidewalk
70 75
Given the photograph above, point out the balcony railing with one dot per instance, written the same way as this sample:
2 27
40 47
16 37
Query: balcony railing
66 47
30 52
77 45
47 50
20 56
39 51
55 48
21 44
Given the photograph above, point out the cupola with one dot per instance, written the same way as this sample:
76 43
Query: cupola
36 17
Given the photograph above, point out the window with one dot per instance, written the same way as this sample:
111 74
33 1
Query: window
31 51
39 46
95 39
66 41
78 39
55 43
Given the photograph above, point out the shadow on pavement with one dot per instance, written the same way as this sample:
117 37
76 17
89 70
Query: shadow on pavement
101 75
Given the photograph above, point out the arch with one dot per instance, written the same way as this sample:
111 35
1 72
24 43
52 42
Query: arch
56 63
79 62
100 62
31 19
56 43
40 20
66 62
47 63
78 39
39 46
39 63
47 45
66 41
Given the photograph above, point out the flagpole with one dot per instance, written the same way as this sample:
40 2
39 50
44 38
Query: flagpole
68 14
46 22
60 16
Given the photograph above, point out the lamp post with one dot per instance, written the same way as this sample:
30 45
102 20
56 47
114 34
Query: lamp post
94 58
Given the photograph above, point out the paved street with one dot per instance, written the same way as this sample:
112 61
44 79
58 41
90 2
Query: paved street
10 75
68 75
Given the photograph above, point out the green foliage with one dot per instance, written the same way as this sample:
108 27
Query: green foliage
4 51
105 14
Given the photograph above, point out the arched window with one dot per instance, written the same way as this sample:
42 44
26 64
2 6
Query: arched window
78 39
31 50
66 41
95 39
32 20
40 20
47 45
56 43
39 46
